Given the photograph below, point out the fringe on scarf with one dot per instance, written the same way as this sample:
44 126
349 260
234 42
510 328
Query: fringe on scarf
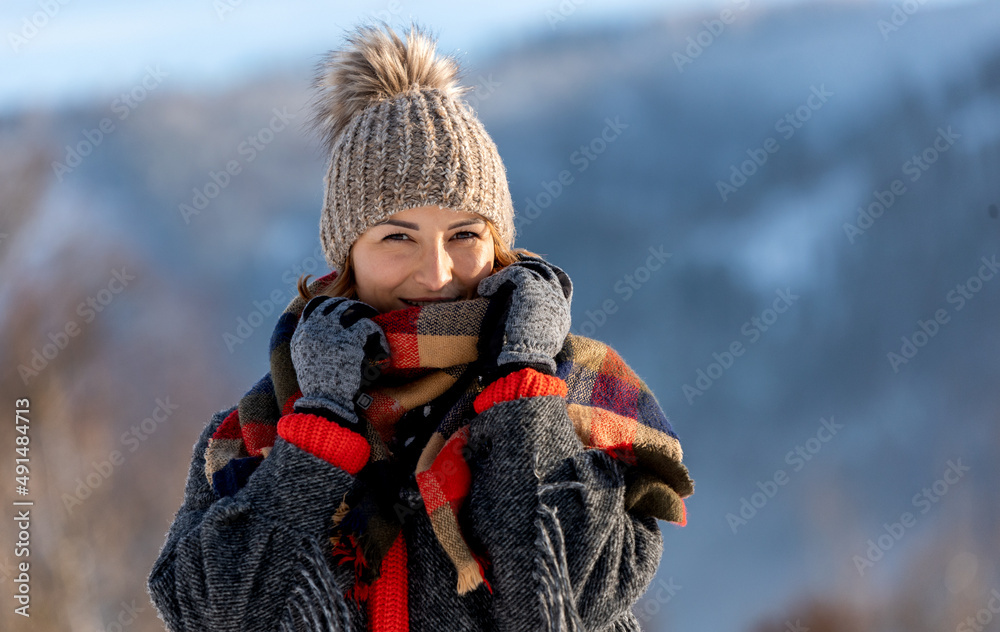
432 348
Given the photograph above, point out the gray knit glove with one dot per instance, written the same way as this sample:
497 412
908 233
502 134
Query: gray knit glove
335 349
538 319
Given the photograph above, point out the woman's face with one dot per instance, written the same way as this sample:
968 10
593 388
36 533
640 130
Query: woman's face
428 253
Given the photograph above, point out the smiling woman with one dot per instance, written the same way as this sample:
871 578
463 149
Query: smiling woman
432 449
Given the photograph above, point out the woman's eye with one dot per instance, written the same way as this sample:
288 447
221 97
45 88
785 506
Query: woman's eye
390 237
474 235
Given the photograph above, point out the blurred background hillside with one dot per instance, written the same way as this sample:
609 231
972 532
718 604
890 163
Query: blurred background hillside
832 373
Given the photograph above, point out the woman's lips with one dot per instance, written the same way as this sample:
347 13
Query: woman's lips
426 301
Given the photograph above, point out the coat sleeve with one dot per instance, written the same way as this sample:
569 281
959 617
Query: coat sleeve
565 552
255 560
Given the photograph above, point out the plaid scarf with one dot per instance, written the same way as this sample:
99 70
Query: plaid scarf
430 376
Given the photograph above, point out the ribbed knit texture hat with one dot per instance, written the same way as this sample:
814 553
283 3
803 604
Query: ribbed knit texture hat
400 136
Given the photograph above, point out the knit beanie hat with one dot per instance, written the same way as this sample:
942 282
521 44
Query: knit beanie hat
400 136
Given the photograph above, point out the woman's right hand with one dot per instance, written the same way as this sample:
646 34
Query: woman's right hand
336 349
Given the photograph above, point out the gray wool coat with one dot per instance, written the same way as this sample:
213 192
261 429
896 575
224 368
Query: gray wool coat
564 554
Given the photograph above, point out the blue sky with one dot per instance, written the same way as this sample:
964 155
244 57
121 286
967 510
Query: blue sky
90 50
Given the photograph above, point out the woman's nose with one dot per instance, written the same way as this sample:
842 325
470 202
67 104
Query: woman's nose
434 268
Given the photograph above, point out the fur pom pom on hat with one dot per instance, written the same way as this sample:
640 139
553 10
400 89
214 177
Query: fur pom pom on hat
391 114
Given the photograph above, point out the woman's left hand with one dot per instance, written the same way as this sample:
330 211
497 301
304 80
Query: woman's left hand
538 319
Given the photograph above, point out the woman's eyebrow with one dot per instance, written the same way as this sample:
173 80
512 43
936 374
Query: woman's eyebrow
412 226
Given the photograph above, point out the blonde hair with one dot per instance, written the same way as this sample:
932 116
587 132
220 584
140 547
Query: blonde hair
346 285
